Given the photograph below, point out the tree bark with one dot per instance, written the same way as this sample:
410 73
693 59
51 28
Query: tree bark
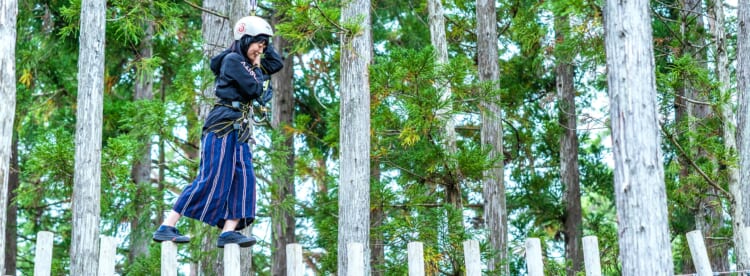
217 36
141 171
212 261
743 117
160 209
377 217
11 233
716 24
440 43
84 251
640 194
683 110
453 194
569 173
9 10
246 255
354 137
495 212
283 221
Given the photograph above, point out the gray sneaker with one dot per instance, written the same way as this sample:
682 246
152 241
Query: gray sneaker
234 237
169 233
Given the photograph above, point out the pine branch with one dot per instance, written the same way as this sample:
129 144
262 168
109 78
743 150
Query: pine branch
323 14
694 101
432 205
692 162
207 11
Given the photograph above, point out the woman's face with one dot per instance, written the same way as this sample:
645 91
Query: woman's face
256 49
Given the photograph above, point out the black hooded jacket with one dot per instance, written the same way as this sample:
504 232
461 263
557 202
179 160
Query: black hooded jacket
238 80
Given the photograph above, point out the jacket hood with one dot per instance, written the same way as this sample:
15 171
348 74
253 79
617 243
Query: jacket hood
217 59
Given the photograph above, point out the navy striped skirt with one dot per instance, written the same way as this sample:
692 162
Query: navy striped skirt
225 186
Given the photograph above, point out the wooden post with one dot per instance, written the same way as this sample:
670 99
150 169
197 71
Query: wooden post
698 251
168 258
43 254
416 259
591 256
472 258
232 260
356 259
107 255
534 263
294 260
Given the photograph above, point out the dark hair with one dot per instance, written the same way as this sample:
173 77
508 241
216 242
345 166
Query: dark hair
246 40
242 45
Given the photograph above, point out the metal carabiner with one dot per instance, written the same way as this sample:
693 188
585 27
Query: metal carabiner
263 115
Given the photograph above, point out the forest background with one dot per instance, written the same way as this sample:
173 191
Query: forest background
551 89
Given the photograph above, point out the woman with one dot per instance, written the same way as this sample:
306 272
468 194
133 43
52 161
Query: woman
223 193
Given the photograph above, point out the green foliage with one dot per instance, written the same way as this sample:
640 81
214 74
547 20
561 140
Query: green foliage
44 199
401 24
696 156
146 265
71 14
308 23
324 212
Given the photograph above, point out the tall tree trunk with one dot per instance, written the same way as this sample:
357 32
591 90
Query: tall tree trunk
453 195
495 212
162 153
743 117
141 171
709 217
8 14
246 255
640 194
217 36
440 43
354 137
377 217
11 233
283 220
211 263
683 110
569 173
716 24
84 251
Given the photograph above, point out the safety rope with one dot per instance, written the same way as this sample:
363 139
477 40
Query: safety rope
253 6
262 107
744 272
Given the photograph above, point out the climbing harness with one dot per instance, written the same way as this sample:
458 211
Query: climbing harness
243 125
263 100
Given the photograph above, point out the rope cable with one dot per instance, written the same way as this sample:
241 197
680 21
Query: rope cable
745 272
253 6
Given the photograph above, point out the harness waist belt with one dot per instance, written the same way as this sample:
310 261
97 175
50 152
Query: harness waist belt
243 124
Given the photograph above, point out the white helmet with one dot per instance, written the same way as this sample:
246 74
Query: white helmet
251 25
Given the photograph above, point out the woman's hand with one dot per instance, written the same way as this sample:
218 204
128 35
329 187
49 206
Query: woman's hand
254 52
256 60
